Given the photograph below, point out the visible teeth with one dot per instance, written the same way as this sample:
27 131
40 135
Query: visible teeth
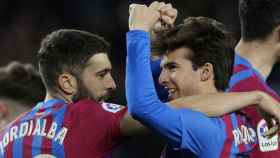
171 91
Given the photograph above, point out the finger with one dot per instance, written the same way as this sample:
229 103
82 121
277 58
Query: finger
169 5
132 6
173 13
165 7
155 5
271 132
167 20
161 5
158 26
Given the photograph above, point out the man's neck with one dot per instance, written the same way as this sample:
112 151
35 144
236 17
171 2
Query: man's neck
260 54
50 96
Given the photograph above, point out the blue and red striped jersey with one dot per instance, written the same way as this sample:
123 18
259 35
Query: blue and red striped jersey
57 129
247 78
189 133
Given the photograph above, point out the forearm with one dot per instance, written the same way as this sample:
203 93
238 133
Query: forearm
218 104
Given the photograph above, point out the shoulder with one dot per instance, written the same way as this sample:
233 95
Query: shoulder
88 108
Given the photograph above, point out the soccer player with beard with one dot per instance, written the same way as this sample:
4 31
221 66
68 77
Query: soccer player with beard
73 121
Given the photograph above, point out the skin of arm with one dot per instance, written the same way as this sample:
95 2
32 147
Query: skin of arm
215 104
218 104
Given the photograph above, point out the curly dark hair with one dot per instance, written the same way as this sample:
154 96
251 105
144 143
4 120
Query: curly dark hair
209 41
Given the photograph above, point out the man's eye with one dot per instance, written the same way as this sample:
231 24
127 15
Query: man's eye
102 74
172 67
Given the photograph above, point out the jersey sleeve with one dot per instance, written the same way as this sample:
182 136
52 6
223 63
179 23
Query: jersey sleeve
245 80
99 124
116 117
156 70
178 127
248 80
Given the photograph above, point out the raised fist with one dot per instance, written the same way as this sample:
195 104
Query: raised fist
142 17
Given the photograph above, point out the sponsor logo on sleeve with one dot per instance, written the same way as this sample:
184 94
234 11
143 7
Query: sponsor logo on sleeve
113 108
265 143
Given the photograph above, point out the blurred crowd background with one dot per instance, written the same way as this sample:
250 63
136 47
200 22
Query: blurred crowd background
25 23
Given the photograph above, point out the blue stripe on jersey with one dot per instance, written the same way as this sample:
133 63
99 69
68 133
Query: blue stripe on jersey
18 148
239 77
58 149
52 102
239 60
18 144
259 75
32 113
6 130
234 148
37 142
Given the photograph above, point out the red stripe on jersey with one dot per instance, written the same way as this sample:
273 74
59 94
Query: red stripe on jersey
46 147
241 147
9 150
27 141
228 143
27 150
67 123
239 68
250 84
57 107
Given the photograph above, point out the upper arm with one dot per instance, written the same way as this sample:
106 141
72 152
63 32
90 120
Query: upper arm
161 119
201 135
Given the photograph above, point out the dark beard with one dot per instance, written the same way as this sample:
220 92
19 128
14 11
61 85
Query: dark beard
83 93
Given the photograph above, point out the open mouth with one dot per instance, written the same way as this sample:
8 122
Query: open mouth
170 91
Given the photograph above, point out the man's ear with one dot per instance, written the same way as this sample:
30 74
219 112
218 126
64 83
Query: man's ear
276 37
67 83
277 31
206 72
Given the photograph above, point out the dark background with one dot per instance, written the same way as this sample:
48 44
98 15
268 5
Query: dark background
25 22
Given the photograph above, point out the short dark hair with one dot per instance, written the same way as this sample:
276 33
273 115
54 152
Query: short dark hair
21 83
258 18
209 41
67 50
